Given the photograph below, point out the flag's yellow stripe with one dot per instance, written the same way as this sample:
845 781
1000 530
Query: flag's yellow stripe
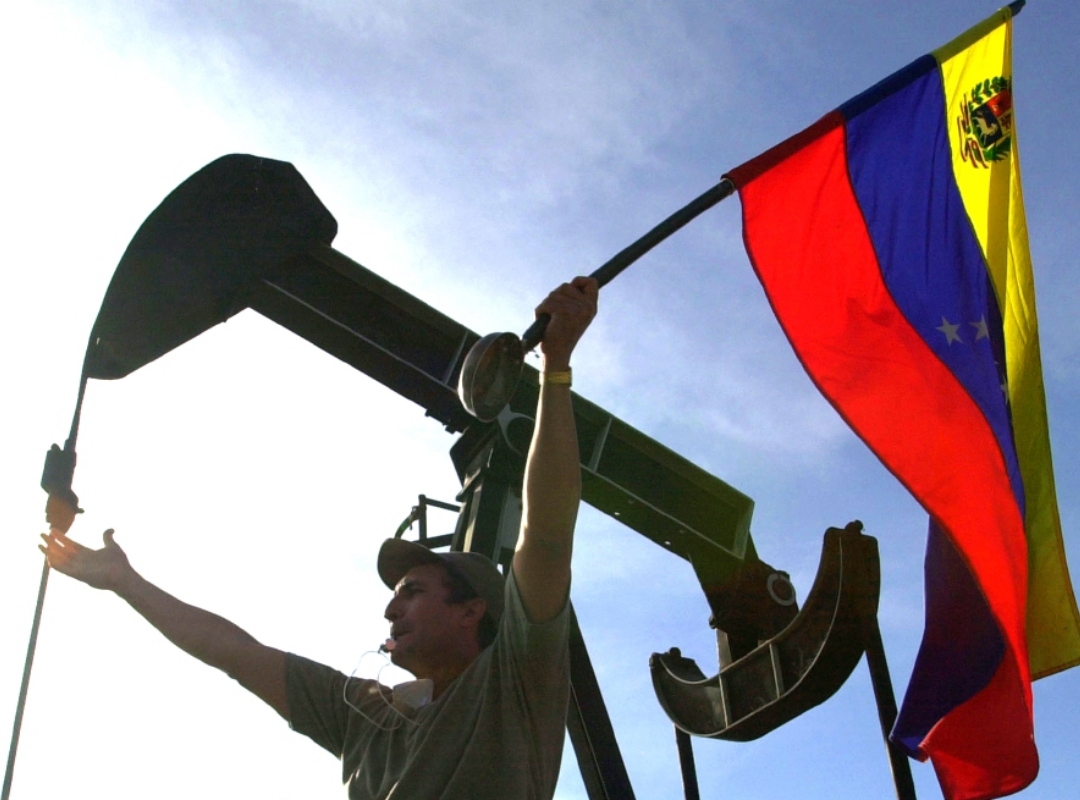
992 196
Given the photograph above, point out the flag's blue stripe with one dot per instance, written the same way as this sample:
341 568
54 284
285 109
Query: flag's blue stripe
889 86
961 649
900 165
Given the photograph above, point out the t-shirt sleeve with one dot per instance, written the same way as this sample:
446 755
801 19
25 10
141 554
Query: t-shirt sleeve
539 650
316 708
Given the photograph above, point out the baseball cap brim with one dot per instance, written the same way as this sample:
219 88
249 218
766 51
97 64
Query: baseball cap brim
398 556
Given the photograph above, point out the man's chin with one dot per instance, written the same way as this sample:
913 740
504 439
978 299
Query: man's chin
399 657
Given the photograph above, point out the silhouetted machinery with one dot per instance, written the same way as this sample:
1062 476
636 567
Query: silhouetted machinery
248 232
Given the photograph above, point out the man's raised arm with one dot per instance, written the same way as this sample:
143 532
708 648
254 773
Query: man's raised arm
210 638
552 488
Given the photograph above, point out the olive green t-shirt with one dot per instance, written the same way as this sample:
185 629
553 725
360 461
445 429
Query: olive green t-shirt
496 733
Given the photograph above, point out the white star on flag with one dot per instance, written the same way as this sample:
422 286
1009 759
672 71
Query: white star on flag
950 331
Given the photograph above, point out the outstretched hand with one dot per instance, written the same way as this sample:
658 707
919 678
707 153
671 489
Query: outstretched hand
572 307
103 569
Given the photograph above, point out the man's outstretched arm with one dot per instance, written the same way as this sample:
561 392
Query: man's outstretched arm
210 638
552 488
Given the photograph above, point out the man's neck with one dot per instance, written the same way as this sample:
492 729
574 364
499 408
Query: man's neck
445 673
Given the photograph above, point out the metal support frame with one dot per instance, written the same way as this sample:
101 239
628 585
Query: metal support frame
599 759
884 699
419 514
886 708
685 746
490 496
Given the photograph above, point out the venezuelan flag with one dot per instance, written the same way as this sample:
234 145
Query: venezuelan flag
891 242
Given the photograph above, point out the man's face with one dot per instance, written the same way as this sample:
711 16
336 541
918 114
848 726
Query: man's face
427 629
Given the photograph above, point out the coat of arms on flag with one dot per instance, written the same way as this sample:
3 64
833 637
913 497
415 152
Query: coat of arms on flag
985 122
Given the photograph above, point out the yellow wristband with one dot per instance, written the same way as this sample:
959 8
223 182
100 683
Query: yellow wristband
557 378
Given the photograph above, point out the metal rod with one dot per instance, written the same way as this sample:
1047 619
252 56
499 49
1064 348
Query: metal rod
17 727
440 504
628 255
686 764
886 707
603 770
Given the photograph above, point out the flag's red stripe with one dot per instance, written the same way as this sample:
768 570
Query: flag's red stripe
747 172
809 245
985 748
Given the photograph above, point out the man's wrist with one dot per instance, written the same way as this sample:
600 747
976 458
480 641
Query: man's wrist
555 363
562 377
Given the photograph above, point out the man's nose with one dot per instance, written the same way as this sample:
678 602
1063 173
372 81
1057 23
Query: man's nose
393 609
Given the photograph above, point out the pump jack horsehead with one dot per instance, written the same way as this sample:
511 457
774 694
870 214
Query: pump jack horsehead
248 232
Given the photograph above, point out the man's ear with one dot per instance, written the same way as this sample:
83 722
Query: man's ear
473 610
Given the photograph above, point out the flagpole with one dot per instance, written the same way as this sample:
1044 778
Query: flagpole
632 252
491 369
17 727
695 208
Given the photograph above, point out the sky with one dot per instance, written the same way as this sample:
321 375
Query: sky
475 154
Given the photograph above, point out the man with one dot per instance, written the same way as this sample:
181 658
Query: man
485 717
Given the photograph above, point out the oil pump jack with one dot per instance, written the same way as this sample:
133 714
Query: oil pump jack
248 232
